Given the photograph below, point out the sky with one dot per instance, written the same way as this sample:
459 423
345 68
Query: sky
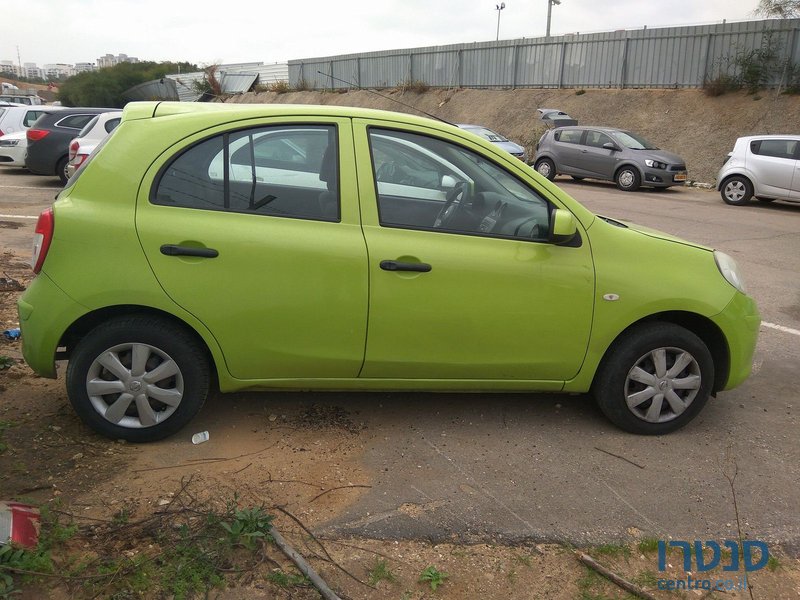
233 31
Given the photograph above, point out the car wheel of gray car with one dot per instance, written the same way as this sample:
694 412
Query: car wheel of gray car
137 378
654 379
546 168
61 170
736 191
628 179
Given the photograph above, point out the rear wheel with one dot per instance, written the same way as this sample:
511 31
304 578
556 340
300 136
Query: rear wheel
61 170
546 168
654 379
137 378
736 191
628 179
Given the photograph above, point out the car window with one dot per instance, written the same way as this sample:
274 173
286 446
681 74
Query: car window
74 121
775 148
597 139
430 184
88 127
2 111
634 141
31 116
283 171
569 136
111 124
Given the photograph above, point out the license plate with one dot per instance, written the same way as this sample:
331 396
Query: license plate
680 176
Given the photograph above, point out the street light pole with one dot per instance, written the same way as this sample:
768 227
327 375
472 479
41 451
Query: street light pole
550 4
498 8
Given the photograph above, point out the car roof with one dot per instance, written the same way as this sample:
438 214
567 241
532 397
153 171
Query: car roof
771 136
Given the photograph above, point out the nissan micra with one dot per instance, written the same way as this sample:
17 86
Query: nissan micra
233 247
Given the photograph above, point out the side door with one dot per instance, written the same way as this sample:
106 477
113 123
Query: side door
596 160
469 289
774 163
567 145
255 230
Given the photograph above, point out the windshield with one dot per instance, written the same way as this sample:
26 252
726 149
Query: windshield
633 141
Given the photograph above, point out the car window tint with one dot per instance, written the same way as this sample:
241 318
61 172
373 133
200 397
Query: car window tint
74 121
775 148
284 171
111 124
570 136
597 139
430 184
31 116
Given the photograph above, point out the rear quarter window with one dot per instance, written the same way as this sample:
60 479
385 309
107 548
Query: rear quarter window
775 148
74 121
569 136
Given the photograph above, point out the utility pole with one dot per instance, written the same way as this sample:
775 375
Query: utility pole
550 4
19 64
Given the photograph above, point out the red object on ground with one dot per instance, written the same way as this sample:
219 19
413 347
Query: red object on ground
19 523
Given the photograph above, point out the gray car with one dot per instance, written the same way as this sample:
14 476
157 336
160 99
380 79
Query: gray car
605 153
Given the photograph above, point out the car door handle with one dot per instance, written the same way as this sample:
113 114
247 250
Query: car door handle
175 250
393 265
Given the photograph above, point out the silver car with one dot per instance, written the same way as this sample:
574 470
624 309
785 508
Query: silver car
765 167
605 153
498 140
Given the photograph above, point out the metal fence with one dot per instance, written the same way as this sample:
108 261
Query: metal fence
673 57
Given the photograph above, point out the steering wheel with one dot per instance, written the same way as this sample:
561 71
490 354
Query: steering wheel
455 200
386 172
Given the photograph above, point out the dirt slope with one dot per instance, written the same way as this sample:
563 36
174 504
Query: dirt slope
699 128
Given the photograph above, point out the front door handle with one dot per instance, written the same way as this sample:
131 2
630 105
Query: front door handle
175 250
393 265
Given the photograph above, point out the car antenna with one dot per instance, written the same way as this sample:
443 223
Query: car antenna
427 114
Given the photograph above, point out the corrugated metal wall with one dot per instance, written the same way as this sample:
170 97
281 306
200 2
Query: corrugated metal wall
668 57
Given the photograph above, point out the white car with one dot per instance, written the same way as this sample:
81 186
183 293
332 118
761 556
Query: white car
12 149
765 167
94 132
20 118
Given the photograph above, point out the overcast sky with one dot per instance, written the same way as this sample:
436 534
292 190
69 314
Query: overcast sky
230 31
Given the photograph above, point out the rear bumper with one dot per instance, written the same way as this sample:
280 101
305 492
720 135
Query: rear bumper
45 313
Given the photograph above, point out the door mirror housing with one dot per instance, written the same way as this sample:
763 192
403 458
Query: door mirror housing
448 182
563 228
611 146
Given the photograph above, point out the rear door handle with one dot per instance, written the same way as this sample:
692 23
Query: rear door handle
175 250
393 265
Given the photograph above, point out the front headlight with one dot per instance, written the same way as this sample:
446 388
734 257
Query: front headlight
654 164
730 270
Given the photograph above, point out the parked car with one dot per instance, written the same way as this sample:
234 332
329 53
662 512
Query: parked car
503 142
18 118
765 167
12 149
20 98
49 138
89 137
611 154
323 247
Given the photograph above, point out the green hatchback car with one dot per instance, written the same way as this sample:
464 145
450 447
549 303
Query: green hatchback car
310 247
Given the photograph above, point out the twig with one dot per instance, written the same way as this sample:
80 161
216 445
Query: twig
203 461
301 563
341 487
242 469
627 460
613 577
731 481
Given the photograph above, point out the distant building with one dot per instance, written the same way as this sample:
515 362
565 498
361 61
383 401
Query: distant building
84 67
109 60
31 71
57 71
8 67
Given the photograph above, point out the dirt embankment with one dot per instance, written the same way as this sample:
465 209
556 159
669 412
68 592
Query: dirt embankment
701 129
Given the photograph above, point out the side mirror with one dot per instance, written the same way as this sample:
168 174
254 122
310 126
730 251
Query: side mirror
448 182
611 146
563 228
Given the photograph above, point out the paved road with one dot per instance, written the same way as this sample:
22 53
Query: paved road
517 467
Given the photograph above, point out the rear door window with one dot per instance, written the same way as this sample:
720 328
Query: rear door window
775 148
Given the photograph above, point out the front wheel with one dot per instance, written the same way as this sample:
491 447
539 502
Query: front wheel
654 379
137 378
628 179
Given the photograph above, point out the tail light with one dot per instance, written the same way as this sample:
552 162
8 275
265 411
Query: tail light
42 238
73 149
1 132
34 135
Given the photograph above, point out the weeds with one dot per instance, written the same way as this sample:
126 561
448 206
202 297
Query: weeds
287 580
433 576
580 92
414 85
612 550
6 362
3 426
648 545
773 564
279 87
380 572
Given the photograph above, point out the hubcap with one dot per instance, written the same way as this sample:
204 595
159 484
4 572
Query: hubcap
626 179
734 190
544 169
662 384
134 385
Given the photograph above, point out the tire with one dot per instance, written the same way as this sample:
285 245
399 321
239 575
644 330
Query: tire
654 407
95 391
736 191
546 168
61 170
628 179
